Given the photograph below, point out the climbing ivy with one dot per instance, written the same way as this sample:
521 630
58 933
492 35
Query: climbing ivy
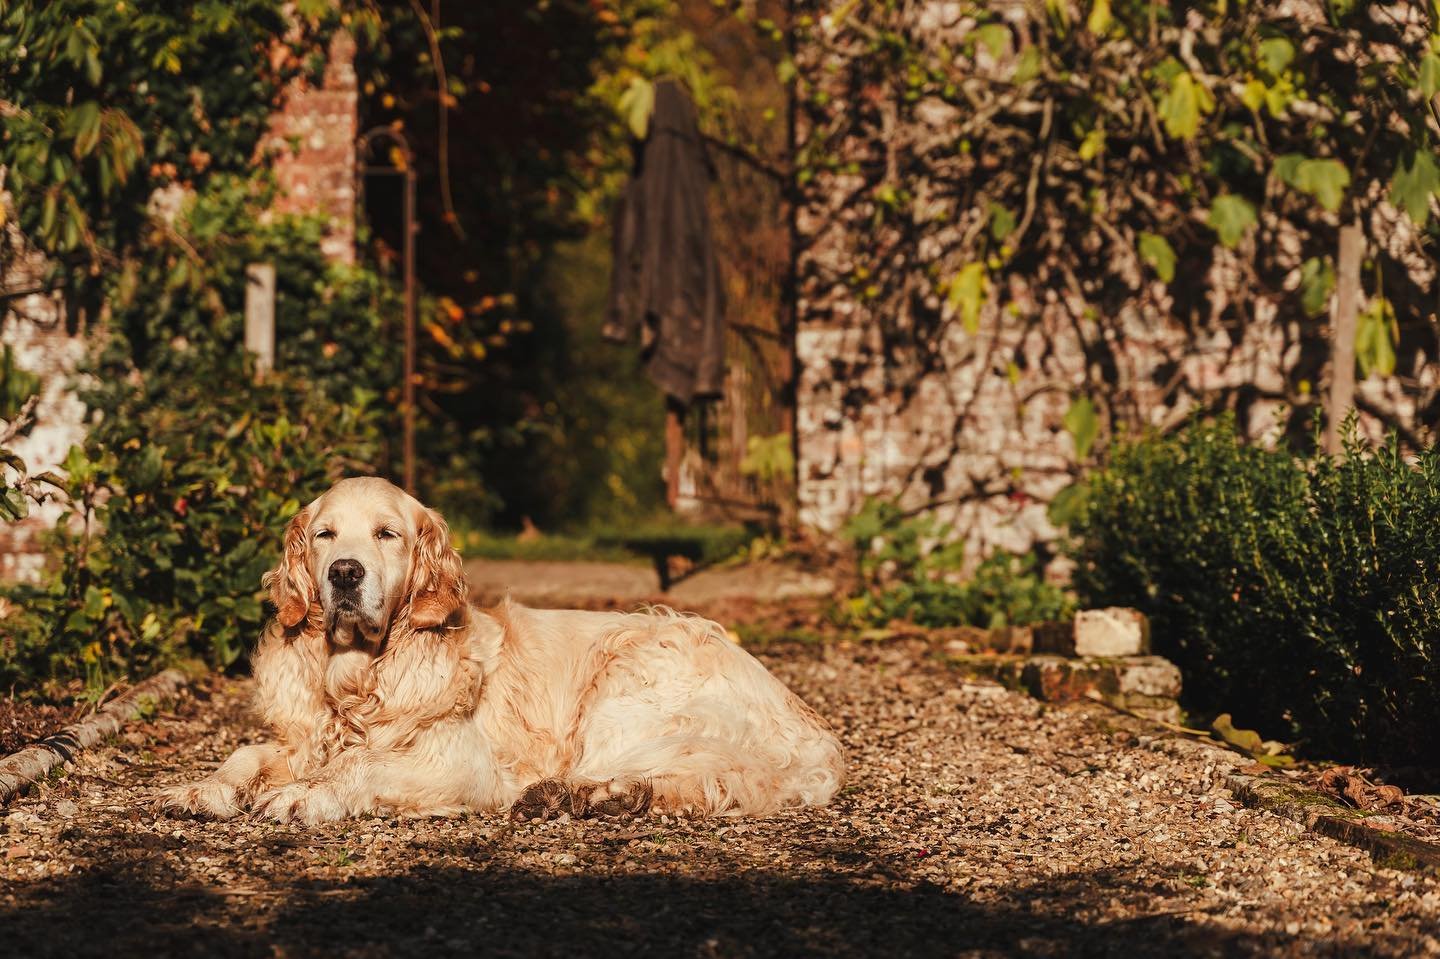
1119 160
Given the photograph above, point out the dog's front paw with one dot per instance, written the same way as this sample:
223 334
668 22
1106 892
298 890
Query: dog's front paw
307 803
206 799
625 800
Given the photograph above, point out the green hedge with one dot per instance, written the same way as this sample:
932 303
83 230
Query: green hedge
1300 594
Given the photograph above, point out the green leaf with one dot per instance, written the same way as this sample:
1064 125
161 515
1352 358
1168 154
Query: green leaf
1093 145
1253 95
1416 180
94 604
768 458
1230 217
1068 505
636 104
1027 65
967 294
1059 11
994 37
1083 425
1287 168
13 505
1100 18
1156 251
83 124
1002 222
1325 180
48 209
1376 334
1429 76
1183 105
1276 53
1317 282
77 466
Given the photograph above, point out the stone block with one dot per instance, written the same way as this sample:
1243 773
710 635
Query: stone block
1124 682
1115 631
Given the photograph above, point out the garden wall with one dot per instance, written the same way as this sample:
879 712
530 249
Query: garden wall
902 395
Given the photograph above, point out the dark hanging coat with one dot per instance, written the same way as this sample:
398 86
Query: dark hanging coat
666 282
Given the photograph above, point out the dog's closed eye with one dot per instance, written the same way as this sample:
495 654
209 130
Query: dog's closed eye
386 532
325 534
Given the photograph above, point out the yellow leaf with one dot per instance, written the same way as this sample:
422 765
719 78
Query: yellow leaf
1100 19
1253 96
967 294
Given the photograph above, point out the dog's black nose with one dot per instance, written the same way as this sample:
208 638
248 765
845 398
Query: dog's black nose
346 573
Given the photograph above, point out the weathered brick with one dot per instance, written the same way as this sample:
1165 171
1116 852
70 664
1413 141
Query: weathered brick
1114 631
1061 679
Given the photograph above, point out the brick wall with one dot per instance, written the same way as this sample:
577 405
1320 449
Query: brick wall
313 139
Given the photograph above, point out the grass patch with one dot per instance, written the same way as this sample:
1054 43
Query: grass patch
640 544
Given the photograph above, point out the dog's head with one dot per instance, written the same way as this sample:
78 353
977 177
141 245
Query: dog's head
363 557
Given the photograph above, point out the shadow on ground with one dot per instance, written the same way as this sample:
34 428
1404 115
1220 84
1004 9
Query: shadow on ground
492 908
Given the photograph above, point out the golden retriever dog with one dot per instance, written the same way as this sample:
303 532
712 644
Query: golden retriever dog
387 693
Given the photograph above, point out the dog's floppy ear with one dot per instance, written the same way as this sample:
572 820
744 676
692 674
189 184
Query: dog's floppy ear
437 579
292 588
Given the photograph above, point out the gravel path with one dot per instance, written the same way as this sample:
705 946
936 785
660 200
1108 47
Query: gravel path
977 822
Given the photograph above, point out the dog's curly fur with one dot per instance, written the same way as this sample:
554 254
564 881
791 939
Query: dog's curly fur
445 708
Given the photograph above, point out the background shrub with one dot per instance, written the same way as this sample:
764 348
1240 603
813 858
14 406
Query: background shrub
176 506
1299 594
910 571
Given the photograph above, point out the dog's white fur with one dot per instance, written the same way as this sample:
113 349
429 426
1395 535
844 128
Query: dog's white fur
403 699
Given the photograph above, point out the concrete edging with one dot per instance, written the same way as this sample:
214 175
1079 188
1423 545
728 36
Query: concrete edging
34 762
1320 813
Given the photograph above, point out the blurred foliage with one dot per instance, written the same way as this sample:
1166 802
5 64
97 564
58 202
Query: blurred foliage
910 571
1300 594
527 412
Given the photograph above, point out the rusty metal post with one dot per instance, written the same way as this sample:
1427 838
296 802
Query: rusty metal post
405 168
409 392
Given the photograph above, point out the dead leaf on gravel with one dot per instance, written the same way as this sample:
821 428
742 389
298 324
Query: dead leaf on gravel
1351 785
1266 751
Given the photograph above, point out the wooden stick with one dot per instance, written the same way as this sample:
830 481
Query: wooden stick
1342 335
36 760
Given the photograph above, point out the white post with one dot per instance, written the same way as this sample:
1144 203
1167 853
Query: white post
260 315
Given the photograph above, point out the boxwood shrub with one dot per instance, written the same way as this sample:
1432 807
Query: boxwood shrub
1300 593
